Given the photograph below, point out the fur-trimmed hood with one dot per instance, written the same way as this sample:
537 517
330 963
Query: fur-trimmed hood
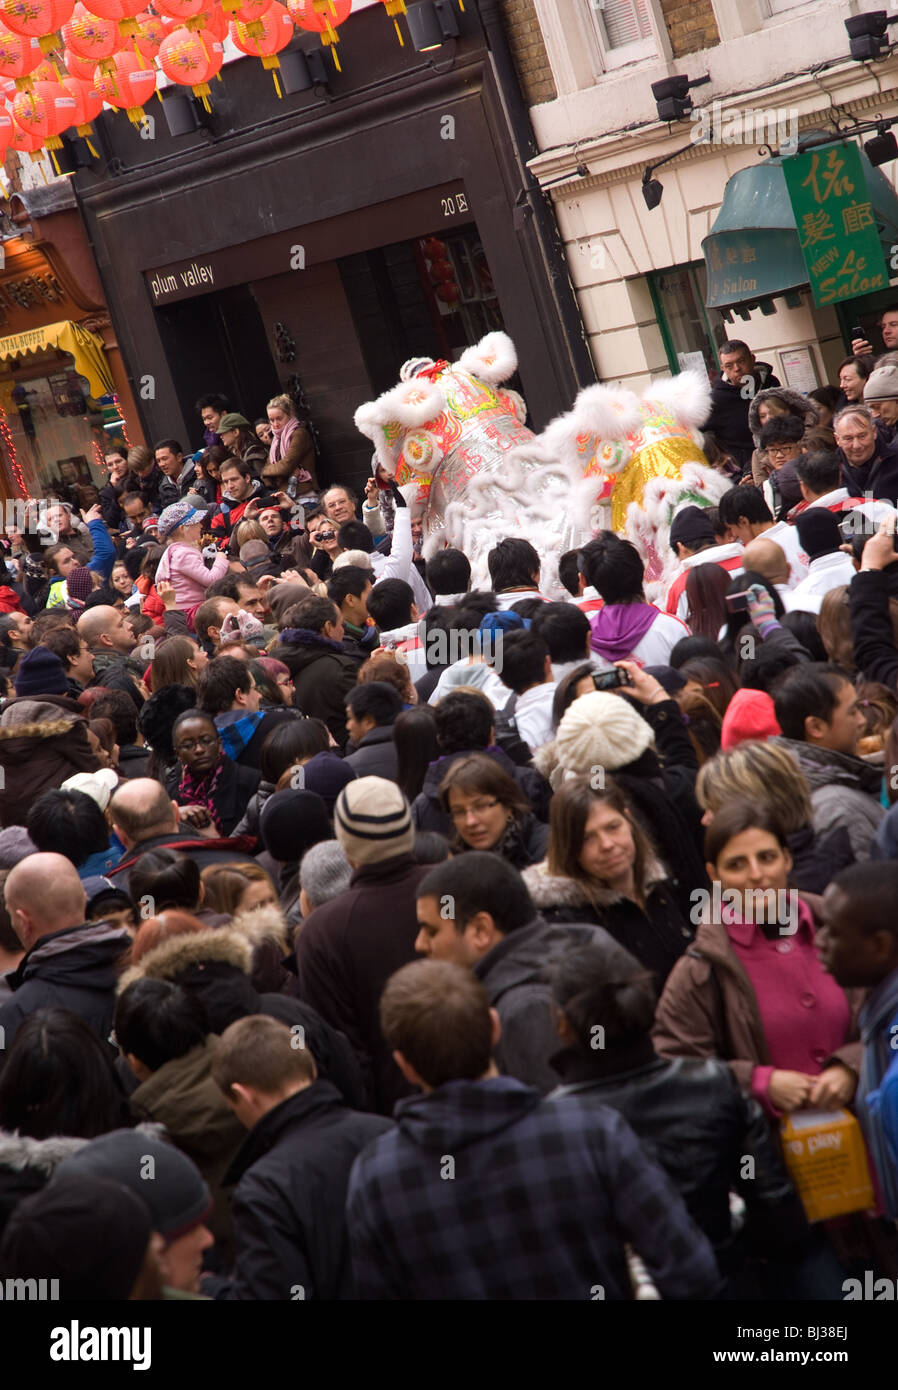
549 890
233 945
20 1152
797 403
40 717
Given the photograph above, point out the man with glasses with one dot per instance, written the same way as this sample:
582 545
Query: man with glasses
780 440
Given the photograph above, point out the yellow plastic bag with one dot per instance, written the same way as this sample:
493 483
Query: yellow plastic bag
827 1161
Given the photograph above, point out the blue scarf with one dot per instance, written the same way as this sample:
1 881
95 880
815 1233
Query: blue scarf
236 733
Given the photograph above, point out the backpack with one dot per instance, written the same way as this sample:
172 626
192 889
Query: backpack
507 736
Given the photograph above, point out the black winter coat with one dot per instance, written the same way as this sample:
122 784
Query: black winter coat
515 976
879 477
347 950
728 421
656 937
428 814
236 785
376 755
524 842
693 1119
292 1173
323 673
75 969
875 653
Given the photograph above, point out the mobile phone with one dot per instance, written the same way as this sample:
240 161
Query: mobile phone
610 680
737 603
856 332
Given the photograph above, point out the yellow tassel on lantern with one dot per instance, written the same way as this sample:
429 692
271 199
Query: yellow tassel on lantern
202 94
48 42
86 131
23 84
52 143
128 27
136 114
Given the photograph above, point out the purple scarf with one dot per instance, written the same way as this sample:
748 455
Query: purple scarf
619 627
196 791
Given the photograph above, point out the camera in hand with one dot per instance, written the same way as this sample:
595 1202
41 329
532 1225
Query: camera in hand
737 603
610 680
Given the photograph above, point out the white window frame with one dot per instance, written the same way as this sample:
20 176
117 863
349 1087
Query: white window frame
655 47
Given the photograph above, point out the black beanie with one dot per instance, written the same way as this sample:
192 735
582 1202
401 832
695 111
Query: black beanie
41 673
89 1233
164 1178
291 822
818 532
691 527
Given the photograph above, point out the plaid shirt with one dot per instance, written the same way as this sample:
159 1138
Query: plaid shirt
485 1191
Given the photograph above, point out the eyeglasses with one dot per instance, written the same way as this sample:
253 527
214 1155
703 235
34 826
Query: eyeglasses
285 681
780 451
190 745
477 808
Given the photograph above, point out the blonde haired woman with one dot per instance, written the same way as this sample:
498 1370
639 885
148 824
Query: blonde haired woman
291 457
768 775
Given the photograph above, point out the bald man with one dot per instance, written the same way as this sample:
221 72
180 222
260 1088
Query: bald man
144 817
768 559
68 963
107 629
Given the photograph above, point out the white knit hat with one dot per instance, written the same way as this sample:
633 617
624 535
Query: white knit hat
600 730
99 785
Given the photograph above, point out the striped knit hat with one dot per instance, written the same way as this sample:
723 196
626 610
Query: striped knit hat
373 821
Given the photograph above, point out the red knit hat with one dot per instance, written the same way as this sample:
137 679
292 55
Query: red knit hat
749 715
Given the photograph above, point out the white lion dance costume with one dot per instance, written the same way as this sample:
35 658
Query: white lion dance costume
457 445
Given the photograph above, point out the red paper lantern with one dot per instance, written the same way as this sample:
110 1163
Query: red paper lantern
128 85
277 31
321 17
181 10
150 33
88 105
122 13
92 38
26 142
249 15
36 19
7 127
47 110
191 58
79 67
449 294
19 58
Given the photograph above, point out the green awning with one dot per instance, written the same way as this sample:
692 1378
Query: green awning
753 250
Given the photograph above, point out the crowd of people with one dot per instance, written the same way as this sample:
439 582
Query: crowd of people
423 942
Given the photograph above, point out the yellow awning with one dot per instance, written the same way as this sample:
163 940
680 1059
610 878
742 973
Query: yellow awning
86 348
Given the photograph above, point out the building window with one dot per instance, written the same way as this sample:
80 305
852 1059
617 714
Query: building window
626 31
691 333
775 7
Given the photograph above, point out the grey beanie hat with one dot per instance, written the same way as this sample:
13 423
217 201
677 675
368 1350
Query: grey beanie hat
15 845
324 872
168 1181
882 385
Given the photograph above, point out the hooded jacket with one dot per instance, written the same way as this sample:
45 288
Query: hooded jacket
43 740
182 1095
844 792
323 674
288 1210
799 405
515 975
27 1165
76 968
657 937
542 1198
229 970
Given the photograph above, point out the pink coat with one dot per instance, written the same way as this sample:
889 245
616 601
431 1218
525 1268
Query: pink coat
183 566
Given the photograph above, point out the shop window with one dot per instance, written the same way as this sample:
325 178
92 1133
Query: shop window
56 428
430 297
776 7
626 30
692 334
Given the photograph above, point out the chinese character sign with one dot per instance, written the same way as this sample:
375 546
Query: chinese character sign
836 226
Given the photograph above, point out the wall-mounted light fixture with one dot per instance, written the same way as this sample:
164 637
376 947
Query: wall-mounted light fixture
430 23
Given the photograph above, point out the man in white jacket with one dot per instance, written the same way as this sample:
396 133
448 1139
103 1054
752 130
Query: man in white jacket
627 628
820 537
